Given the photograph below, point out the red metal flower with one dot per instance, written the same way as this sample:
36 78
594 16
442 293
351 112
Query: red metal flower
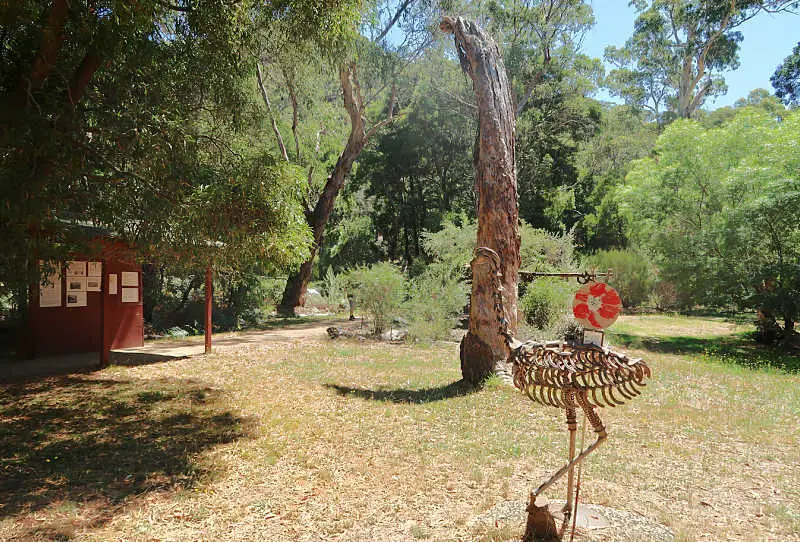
596 305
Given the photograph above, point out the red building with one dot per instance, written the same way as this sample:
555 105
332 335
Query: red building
88 304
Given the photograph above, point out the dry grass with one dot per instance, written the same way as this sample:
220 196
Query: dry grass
362 441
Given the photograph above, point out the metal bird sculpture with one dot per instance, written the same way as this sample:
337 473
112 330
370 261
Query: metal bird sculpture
566 375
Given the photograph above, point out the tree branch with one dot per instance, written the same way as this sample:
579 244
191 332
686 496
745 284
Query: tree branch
45 60
265 97
394 19
293 97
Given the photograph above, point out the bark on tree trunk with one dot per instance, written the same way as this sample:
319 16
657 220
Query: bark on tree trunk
483 349
295 291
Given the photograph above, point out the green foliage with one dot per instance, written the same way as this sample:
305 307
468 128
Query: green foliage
351 242
435 298
718 209
420 171
379 290
333 290
453 245
634 275
603 162
786 79
541 250
137 117
546 301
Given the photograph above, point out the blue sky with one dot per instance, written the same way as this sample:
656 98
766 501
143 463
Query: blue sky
768 39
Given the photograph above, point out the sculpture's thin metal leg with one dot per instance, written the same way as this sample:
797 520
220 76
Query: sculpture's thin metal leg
597 425
572 425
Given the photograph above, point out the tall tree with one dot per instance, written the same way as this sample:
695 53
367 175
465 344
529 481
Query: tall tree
320 206
678 51
786 79
132 116
718 210
483 349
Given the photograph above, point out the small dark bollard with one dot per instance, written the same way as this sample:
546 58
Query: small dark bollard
351 300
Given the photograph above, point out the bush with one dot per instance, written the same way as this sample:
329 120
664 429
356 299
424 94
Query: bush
543 251
379 291
545 302
664 297
435 299
539 250
633 274
333 290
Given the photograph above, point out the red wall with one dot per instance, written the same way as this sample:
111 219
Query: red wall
60 330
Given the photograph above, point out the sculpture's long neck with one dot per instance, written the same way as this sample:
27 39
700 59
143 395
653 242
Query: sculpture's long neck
497 286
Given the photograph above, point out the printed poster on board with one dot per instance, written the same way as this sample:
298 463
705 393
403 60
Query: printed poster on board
76 269
50 288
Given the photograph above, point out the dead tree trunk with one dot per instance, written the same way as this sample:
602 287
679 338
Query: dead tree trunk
317 218
483 350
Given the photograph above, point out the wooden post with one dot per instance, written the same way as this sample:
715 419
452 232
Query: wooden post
105 339
209 303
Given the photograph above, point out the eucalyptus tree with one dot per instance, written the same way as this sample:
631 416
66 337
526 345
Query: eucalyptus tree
678 51
718 207
786 79
134 116
366 72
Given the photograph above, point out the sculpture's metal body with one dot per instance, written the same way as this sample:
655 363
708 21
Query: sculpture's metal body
569 376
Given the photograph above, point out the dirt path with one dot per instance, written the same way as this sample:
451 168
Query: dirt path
154 351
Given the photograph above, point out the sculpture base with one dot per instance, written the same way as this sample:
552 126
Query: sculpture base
594 523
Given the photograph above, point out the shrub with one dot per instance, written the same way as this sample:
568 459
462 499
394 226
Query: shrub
333 290
379 291
543 251
633 274
545 302
435 299
664 296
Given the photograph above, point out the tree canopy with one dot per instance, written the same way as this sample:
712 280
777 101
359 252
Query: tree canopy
786 79
138 117
718 207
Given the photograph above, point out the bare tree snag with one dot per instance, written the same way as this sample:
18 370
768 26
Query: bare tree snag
483 350
317 218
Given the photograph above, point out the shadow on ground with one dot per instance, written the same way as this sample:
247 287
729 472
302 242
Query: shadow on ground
132 359
402 395
737 349
76 448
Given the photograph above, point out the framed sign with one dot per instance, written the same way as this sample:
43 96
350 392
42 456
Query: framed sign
76 299
130 295
112 284
76 284
95 269
50 288
130 278
76 269
93 284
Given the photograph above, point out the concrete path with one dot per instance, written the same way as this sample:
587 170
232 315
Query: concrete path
164 350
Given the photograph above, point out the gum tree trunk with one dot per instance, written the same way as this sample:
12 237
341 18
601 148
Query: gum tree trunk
483 349
360 133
